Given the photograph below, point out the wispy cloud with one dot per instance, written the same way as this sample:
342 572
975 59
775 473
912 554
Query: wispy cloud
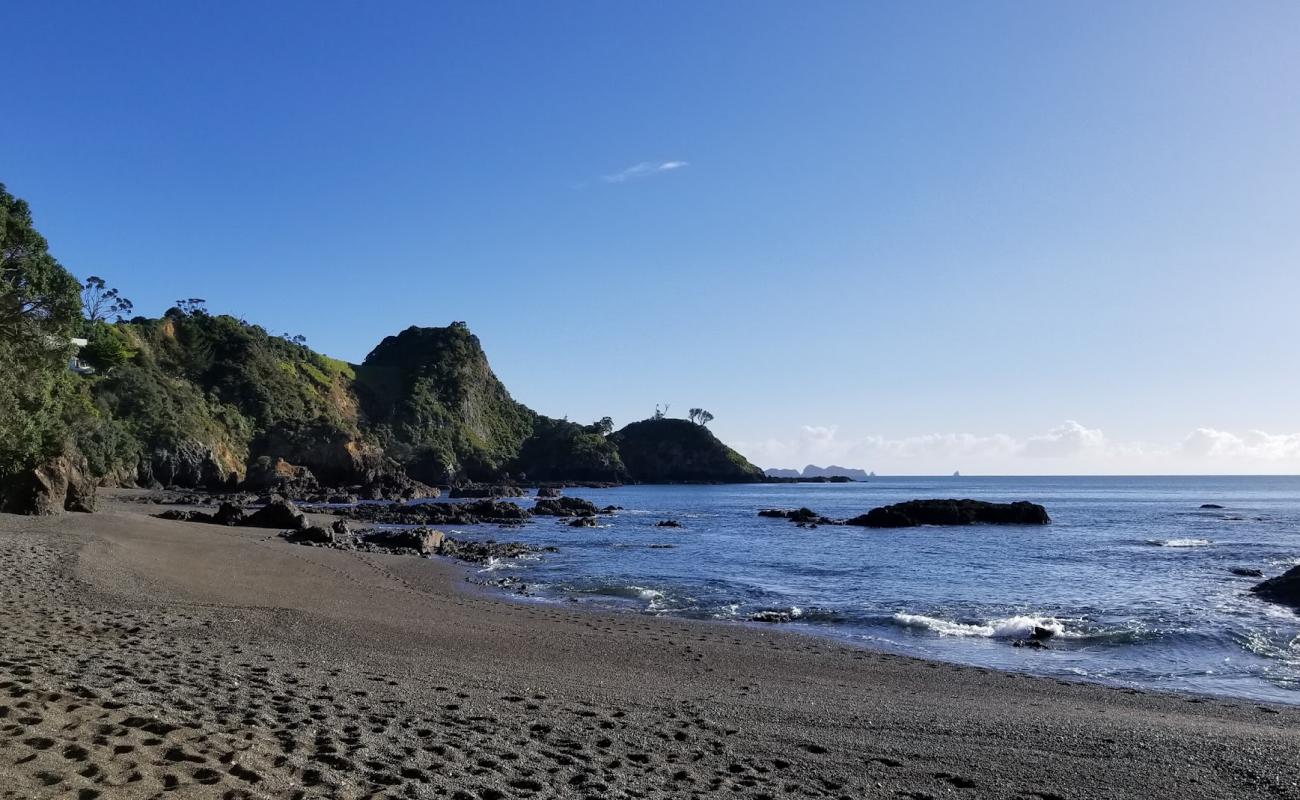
643 170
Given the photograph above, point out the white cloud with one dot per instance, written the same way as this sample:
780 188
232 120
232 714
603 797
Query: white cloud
1070 447
1204 443
642 170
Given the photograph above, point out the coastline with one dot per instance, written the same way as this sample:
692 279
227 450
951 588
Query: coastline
233 664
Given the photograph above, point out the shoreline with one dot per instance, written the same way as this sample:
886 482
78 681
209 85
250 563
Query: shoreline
330 674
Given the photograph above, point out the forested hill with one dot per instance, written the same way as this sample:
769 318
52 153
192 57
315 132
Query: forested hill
198 399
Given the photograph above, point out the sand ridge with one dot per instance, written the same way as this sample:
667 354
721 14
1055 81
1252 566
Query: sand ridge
145 659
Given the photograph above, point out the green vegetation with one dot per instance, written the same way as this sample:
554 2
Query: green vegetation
665 450
40 309
195 398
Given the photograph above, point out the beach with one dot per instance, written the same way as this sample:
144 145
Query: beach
145 658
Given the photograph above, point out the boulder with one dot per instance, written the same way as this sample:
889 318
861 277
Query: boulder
668 523
314 534
1283 589
229 514
281 514
424 540
564 507
793 514
1211 505
1246 572
278 475
548 491
60 484
583 522
952 512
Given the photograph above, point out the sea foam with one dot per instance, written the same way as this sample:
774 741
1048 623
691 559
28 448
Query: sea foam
1017 627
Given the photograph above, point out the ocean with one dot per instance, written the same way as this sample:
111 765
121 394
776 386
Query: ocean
1132 575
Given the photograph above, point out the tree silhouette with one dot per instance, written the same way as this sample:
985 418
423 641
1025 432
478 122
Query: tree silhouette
699 416
103 304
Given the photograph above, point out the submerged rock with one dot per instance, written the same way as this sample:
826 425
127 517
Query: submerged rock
668 523
800 516
1211 505
1283 589
952 512
583 522
1246 572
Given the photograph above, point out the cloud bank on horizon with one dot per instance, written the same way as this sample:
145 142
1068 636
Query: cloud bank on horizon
1068 448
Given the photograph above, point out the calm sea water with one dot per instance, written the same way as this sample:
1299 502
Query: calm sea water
1132 573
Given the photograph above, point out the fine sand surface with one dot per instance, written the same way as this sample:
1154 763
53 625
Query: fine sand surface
151 659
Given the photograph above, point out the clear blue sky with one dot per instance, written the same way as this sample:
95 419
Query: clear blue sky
914 236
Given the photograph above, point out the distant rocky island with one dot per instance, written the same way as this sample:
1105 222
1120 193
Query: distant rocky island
814 472
201 400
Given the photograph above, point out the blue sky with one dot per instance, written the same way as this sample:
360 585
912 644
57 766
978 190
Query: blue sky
997 237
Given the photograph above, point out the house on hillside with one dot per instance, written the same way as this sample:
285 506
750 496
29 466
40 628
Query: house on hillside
76 364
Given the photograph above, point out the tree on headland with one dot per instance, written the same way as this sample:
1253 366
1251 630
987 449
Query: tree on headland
191 306
40 310
604 426
699 416
660 413
102 304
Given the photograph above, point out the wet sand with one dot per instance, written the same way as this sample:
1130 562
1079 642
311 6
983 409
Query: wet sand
150 659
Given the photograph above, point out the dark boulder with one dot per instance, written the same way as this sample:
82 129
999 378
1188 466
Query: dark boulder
793 514
1246 572
229 514
281 514
423 540
177 515
1211 505
548 491
564 507
583 522
952 512
60 484
1283 589
668 523
314 534
279 476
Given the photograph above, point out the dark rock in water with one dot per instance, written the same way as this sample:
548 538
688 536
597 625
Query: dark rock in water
1039 633
1033 644
311 535
482 552
794 514
1283 589
281 514
422 540
952 512
548 491
1246 572
1211 505
610 509
486 491
668 523
583 522
564 507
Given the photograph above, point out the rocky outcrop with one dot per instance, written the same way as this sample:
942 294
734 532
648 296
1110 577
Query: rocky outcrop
564 507
952 512
188 464
421 540
475 490
549 491
60 484
793 514
680 451
1283 589
281 514
268 474
479 511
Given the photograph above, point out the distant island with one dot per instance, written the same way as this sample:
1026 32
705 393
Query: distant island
812 471
200 400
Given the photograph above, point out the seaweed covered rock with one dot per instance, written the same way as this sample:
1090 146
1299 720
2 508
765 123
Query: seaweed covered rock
952 512
1283 589
680 451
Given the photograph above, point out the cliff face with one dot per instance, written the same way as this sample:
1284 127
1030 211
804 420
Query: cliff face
680 451
434 404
